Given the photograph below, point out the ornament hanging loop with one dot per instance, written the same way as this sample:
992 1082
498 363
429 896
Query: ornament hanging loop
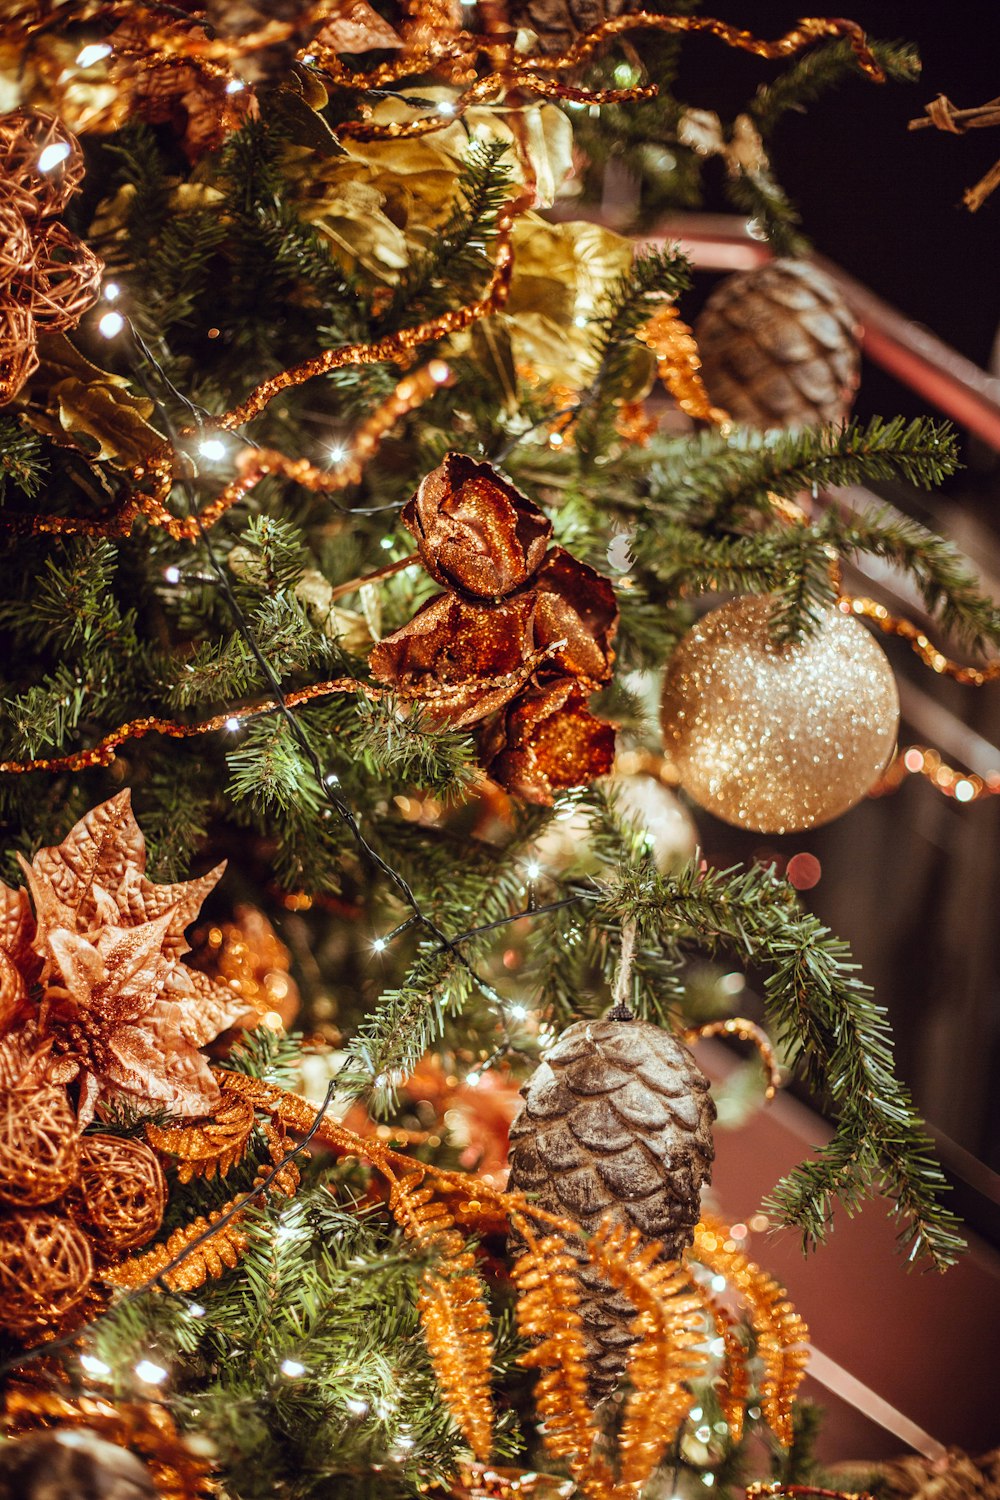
621 985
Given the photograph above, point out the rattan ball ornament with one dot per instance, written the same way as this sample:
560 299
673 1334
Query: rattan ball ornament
41 164
16 247
778 737
46 1268
39 1145
617 1121
18 348
73 1464
62 280
122 1191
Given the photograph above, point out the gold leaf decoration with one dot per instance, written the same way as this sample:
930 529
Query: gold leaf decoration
548 1312
202 1262
119 1010
781 1333
453 1311
212 1147
733 1382
666 1357
69 398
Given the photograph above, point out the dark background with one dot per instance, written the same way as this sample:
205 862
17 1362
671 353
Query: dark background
884 202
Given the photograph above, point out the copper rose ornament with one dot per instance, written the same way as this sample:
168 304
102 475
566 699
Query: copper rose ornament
475 533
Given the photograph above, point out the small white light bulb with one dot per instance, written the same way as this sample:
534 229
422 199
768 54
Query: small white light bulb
214 449
232 724
386 542
472 1079
94 1366
150 1373
532 869
379 945
50 156
708 1480
293 1368
92 53
235 86
333 779
196 1310
519 1012
718 1283
111 324
172 574
112 291
356 1407
446 109
338 453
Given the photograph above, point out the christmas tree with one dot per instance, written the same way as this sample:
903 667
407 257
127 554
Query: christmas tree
381 551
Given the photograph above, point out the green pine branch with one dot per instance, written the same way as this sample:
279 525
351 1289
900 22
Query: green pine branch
818 71
23 467
458 257
825 1019
654 275
713 480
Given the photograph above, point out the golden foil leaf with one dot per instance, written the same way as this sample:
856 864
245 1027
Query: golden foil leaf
209 1147
67 396
563 276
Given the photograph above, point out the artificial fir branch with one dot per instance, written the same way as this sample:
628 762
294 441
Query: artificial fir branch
23 467
809 77
711 479
824 1017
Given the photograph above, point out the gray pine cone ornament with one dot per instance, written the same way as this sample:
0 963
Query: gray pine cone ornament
779 347
617 1120
74 1464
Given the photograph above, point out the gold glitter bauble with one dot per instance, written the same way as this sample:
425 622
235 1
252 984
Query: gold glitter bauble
778 738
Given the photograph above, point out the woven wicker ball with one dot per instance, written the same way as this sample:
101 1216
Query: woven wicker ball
122 1191
39 1145
46 1267
41 163
62 280
16 248
18 354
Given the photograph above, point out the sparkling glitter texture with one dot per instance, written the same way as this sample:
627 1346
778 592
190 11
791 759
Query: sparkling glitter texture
778 738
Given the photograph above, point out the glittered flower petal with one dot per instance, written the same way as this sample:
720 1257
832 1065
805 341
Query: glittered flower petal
475 533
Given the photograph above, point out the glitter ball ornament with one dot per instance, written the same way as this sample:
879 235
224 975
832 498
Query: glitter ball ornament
122 1191
654 812
46 1267
778 737
779 347
616 1121
39 1145
73 1465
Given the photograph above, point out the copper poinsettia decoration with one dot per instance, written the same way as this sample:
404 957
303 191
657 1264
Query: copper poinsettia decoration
525 631
94 974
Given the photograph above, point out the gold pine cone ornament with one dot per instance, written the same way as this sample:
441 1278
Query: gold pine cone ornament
616 1121
779 347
